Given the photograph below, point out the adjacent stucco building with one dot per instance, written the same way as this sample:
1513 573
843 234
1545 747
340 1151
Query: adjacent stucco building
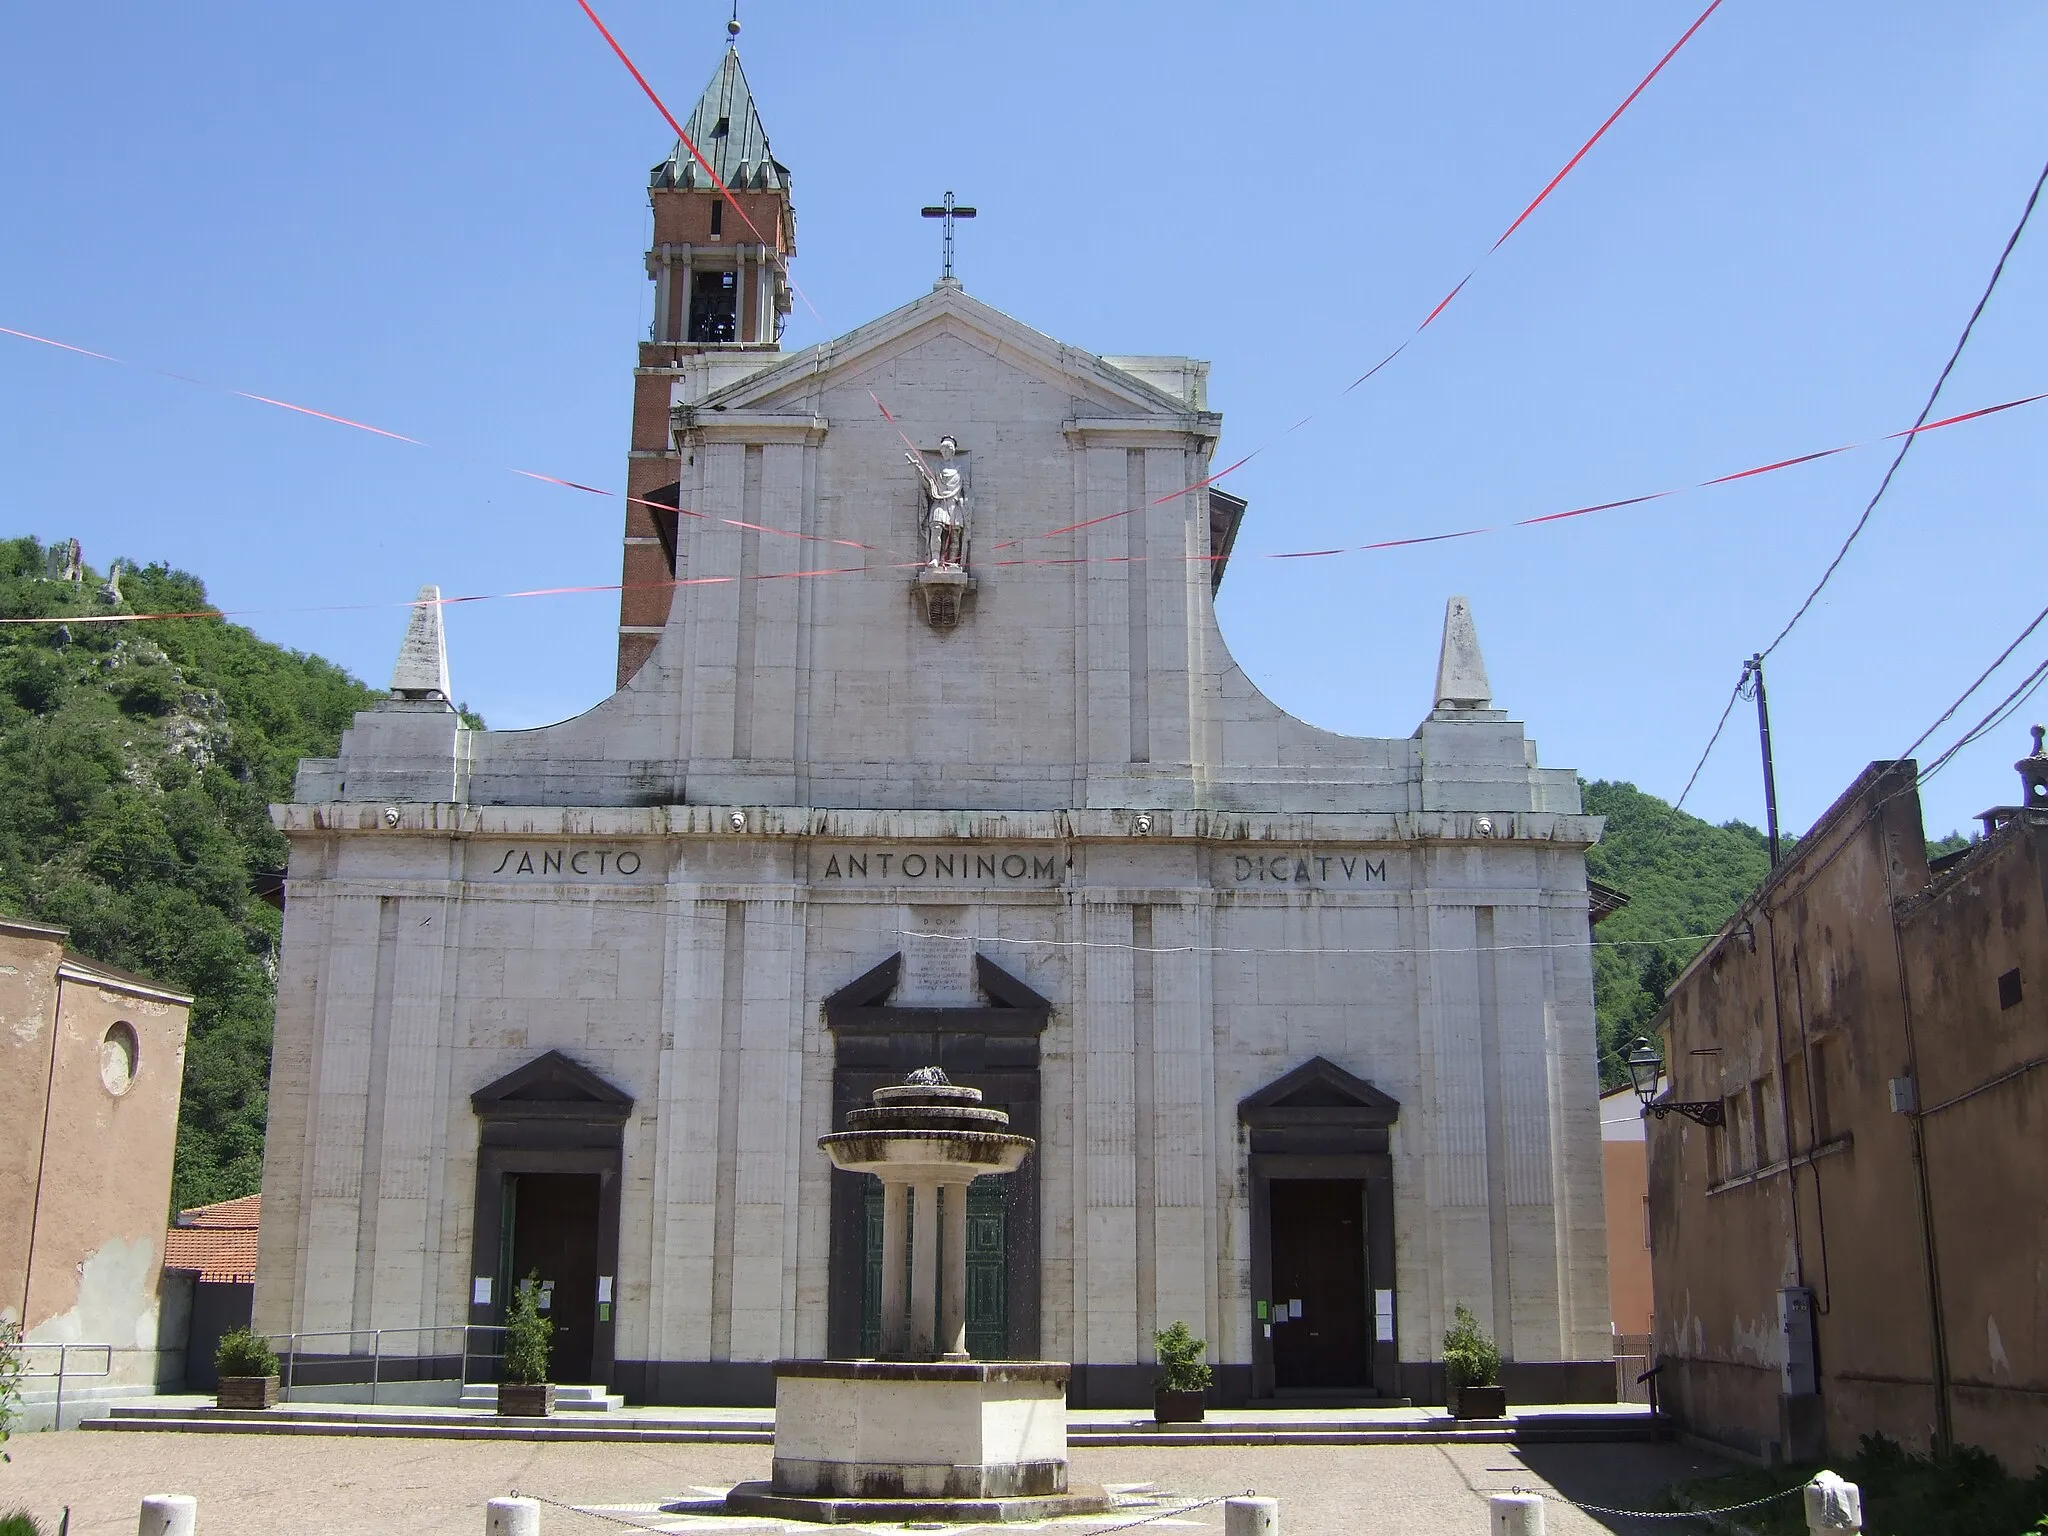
1625 1175
1856 1247
1303 1023
92 1065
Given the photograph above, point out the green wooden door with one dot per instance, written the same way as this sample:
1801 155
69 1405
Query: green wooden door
988 1252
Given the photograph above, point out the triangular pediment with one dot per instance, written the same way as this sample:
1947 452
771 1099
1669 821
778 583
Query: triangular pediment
792 384
552 1085
1321 1091
869 994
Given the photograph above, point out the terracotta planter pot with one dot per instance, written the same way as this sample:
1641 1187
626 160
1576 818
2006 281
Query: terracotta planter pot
524 1400
1177 1407
1479 1402
246 1392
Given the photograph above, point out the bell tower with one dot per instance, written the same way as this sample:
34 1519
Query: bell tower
724 231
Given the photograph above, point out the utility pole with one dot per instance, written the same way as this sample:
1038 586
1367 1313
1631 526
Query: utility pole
1753 686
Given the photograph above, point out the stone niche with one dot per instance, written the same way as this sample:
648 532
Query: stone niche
882 1429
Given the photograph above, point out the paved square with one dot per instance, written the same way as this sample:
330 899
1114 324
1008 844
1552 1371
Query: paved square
277 1485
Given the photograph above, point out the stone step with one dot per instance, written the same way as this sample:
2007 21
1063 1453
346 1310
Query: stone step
757 1427
1549 1428
204 1422
567 1399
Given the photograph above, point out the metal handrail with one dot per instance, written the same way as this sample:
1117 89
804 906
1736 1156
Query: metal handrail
63 1357
290 1348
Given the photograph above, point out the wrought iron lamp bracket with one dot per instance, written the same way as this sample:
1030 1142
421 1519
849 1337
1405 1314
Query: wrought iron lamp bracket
1700 1113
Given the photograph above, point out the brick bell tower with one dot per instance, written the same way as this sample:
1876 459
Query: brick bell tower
720 269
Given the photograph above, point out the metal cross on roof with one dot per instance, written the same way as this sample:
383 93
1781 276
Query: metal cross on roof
949 211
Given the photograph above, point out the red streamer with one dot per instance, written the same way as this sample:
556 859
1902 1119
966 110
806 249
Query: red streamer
906 565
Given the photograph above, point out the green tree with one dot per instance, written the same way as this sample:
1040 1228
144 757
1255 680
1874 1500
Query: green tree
1684 878
138 762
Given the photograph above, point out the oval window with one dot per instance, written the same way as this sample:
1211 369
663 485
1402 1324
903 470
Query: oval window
117 1058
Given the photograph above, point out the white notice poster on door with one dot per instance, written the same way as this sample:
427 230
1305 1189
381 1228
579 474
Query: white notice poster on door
1383 1316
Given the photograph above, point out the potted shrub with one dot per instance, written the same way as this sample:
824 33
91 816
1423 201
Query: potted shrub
1184 1376
523 1385
1472 1370
247 1369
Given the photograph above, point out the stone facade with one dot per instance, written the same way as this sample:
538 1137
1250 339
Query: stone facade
1074 796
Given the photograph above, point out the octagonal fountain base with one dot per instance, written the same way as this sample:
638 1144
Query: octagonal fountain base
865 1440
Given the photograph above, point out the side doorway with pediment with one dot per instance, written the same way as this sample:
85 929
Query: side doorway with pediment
1321 1182
550 1149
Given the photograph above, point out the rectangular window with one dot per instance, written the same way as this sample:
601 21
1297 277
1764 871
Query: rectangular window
1819 1056
1741 1149
718 217
714 306
1799 1136
1770 1136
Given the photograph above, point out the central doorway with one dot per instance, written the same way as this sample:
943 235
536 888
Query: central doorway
1319 1284
549 1230
988 1258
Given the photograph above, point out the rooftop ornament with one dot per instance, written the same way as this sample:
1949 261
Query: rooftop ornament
1646 1072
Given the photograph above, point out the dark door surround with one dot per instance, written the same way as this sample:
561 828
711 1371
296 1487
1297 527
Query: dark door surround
549 1116
995 1049
1320 1122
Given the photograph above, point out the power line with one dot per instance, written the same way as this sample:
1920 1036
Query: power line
1926 410
1905 447
1946 714
1720 726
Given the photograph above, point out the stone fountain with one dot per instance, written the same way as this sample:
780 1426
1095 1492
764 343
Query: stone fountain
925 1432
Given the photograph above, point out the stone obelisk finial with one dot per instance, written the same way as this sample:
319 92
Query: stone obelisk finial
421 675
1460 669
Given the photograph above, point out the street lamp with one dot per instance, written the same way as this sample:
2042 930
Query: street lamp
1646 1070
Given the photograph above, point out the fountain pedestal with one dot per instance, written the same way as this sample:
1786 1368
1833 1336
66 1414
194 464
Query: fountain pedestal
926 1432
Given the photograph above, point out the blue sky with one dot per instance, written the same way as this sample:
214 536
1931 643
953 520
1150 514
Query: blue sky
432 217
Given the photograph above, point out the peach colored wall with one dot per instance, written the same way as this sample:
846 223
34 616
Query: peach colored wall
1626 1171
99 1230
28 1009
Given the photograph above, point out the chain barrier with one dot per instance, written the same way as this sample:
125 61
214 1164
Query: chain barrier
1665 1514
667 1530
597 1514
1167 1514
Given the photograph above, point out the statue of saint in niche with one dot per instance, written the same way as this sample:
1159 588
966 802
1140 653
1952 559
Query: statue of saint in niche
945 514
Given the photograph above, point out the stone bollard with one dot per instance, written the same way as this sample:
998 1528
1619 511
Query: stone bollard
1251 1517
1833 1504
512 1517
168 1514
1516 1514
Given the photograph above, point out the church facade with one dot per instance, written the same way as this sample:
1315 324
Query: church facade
927 751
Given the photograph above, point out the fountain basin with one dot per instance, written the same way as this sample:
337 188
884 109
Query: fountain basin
916 1156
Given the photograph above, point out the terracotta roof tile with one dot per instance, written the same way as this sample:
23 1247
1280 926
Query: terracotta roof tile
218 1240
217 1253
224 1213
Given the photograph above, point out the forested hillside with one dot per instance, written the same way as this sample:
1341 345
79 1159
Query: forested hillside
1682 876
137 765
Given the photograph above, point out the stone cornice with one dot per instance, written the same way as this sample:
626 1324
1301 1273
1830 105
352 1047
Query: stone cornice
750 426
1142 431
444 819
